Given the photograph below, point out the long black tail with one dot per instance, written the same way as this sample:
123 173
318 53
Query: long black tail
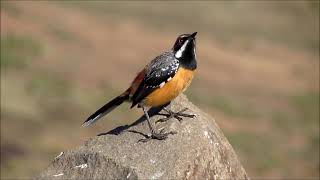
106 109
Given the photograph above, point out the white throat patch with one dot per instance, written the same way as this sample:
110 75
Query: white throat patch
181 50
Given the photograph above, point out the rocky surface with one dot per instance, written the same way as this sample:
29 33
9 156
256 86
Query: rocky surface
199 150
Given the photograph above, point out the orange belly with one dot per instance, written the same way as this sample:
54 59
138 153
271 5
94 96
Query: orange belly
171 89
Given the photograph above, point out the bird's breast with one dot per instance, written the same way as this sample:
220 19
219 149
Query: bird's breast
171 89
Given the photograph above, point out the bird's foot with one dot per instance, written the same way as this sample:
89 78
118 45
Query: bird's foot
158 136
177 115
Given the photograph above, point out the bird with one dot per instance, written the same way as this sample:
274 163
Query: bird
158 83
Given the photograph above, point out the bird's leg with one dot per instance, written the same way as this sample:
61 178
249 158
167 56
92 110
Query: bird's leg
177 115
154 134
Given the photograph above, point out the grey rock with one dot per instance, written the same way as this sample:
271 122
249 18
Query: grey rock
199 150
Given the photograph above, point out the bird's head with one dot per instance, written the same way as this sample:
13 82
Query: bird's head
185 46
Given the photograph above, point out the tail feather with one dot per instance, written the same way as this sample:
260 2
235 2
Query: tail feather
105 109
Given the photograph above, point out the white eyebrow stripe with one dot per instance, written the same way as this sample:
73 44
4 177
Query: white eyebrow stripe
182 49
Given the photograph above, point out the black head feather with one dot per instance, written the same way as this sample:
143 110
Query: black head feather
185 50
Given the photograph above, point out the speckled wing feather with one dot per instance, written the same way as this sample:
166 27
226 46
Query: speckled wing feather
158 72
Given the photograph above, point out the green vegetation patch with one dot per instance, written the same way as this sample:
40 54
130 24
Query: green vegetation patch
307 105
17 51
62 34
226 105
284 122
256 147
230 107
10 8
307 109
44 84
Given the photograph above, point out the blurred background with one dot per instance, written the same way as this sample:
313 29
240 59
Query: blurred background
258 75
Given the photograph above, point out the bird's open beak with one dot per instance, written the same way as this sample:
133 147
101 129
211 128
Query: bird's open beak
193 35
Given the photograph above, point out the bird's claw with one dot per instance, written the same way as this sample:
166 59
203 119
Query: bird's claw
177 115
158 136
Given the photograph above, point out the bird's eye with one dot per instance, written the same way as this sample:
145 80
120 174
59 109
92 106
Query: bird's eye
180 41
